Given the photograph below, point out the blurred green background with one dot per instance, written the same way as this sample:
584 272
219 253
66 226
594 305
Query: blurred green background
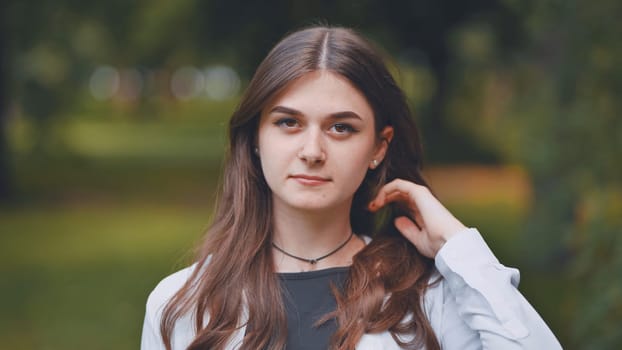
113 119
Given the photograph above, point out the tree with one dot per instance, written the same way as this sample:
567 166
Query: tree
555 109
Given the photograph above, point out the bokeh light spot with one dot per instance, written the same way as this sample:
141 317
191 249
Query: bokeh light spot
104 82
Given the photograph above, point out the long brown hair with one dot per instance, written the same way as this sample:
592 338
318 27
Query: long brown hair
389 266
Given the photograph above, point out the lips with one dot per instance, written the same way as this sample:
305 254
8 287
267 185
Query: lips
310 180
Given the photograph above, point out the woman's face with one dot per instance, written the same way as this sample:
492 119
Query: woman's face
316 142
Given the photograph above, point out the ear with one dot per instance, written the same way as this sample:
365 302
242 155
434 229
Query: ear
386 135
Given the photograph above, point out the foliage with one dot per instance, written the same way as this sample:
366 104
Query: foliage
554 109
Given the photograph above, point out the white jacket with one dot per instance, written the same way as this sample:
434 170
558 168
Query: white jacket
475 306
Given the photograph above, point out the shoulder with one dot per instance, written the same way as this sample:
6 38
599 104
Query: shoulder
166 289
159 297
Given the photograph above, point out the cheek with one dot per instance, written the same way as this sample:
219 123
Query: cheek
273 156
358 156
270 173
363 169
269 163
356 163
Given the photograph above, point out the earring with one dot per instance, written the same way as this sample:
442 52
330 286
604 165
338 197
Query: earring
256 150
374 164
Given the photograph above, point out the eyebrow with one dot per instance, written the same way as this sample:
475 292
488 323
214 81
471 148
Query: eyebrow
336 115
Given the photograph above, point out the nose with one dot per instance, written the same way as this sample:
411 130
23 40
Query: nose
312 150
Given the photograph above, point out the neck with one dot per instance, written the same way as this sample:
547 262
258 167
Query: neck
312 234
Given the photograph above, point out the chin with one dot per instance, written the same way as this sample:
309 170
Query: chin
317 204
311 206
319 201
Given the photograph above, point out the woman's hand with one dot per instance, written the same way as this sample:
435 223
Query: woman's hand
430 224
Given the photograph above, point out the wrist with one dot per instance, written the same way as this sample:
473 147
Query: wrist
449 233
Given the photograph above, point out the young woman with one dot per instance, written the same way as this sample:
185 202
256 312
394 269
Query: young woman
325 233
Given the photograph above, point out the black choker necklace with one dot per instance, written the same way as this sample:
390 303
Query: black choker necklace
314 261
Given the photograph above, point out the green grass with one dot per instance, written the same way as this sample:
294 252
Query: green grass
78 278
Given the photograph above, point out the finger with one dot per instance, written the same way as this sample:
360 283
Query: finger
408 228
406 188
406 206
418 218
388 198
396 190
420 198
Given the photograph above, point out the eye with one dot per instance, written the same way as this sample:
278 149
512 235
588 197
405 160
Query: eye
287 123
342 129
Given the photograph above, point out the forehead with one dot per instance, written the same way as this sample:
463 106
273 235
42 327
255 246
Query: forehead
321 93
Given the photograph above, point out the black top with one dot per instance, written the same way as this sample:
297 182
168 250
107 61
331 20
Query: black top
308 297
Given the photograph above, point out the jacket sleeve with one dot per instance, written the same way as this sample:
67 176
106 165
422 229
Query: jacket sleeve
482 307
